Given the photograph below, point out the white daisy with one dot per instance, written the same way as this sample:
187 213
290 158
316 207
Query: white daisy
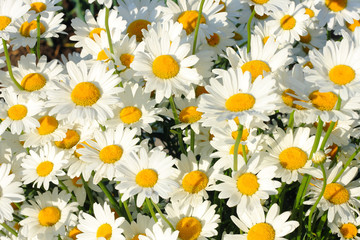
346 229
138 227
43 7
157 233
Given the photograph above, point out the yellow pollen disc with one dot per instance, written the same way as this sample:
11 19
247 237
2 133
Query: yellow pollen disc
85 94
341 74
309 12
136 237
293 158
102 56
213 40
75 180
146 178
17 112
306 38
71 139
244 135
336 193
105 231
135 28
73 232
324 101
263 231
126 59
96 31
239 150
38 6
26 27
111 154
247 184
188 19
237 36
260 1
33 82
48 124
240 102
200 90
348 230
352 26
195 181
130 114
190 115
165 67
189 228
4 22
44 168
287 22
289 100
256 68
336 5
49 216
308 64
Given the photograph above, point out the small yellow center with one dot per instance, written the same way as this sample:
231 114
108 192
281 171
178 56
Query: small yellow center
309 12
256 68
265 39
130 114
71 139
306 38
146 178
188 19
289 100
195 181
336 5
240 102
263 231
165 67
102 56
96 31
33 82
111 154
48 124
85 94
352 26
190 115
136 237
38 6
75 182
17 112
26 27
135 28
324 101
44 168
213 40
293 158
4 22
336 193
237 36
309 65
126 59
244 136
259 1
341 74
105 231
247 184
189 228
348 230
74 232
239 150
287 22
49 216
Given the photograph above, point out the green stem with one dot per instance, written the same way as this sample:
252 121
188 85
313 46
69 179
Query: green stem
151 209
192 140
88 193
127 211
249 30
7 227
291 120
8 63
197 26
346 164
110 197
162 215
236 146
38 37
177 121
244 152
317 137
108 30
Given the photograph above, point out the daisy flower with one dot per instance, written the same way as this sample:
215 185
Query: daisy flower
157 233
262 7
137 228
202 142
218 42
98 48
232 8
315 38
10 10
48 215
147 175
102 225
43 7
346 229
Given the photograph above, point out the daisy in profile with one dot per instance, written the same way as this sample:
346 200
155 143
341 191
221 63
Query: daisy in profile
102 225
43 7
138 227
147 175
346 229
262 7
48 215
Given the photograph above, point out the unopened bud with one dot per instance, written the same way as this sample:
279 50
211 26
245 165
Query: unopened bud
319 157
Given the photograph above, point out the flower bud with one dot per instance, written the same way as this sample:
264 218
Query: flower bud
319 157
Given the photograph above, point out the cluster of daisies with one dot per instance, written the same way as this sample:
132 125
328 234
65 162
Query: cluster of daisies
176 115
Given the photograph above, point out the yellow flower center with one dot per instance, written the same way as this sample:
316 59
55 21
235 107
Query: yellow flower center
293 158
188 19
289 100
102 56
352 26
74 232
240 102
237 36
146 178
239 150
341 74
190 115
336 193
26 27
324 101
256 68
263 231
348 230
71 139
44 168
4 22
136 237
126 59
244 136
105 231
33 82
38 6
259 1
309 65
75 182
336 5
165 67
130 114
48 124
96 31
17 112
287 22
309 12
195 181
265 39
111 154
85 94
49 216
247 184
135 28
306 38
189 228
213 40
